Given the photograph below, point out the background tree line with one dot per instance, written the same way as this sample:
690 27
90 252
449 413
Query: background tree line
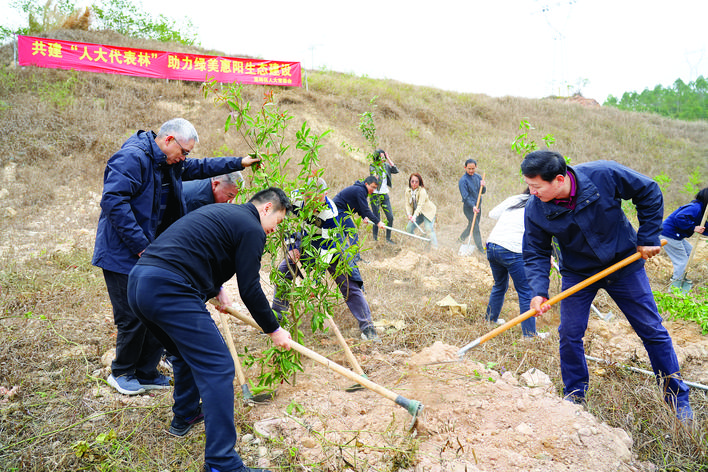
684 101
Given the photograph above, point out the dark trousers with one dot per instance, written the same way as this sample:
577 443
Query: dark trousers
376 210
476 235
352 235
202 364
633 295
137 351
350 289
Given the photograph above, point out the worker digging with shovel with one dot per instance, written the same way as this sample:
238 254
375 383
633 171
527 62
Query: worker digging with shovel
581 207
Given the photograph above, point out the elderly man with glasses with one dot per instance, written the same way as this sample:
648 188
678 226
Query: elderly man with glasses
142 196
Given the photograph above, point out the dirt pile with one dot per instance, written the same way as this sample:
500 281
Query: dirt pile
474 419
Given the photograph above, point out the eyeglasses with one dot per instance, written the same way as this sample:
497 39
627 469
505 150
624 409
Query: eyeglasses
185 153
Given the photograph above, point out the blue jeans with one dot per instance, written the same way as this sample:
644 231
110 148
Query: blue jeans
203 367
634 297
505 263
427 226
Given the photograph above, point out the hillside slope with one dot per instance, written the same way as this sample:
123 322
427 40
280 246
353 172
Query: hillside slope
480 414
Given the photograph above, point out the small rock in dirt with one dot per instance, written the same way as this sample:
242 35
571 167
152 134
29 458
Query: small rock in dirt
107 357
523 428
309 443
535 378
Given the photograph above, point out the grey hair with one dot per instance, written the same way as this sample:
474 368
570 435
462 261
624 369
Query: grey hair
180 128
319 182
234 178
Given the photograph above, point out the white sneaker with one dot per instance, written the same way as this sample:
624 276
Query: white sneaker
500 321
542 335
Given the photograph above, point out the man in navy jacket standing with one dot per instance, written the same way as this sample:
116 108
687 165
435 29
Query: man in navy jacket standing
581 207
142 196
470 185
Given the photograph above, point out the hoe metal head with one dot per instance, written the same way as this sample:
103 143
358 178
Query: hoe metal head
683 284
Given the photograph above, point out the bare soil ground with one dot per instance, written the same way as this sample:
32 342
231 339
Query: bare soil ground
502 413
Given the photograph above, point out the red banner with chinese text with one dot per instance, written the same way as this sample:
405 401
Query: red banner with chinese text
53 53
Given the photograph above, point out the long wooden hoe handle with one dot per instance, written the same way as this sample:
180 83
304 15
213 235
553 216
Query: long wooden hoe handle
564 294
347 352
245 391
342 342
412 406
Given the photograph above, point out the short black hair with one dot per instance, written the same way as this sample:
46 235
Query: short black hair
544 164
702 196
371 179
274 195
470 161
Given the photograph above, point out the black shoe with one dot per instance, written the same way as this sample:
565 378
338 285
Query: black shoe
369 334
180 427
390 242
577 400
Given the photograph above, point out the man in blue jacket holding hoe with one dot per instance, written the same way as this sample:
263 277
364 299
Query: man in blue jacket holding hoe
581 207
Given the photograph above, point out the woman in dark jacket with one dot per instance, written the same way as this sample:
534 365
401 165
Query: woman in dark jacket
680 225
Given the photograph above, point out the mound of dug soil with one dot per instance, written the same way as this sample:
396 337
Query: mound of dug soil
474 419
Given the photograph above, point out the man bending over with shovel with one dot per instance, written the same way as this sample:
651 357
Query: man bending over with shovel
185 266
581 207
327 241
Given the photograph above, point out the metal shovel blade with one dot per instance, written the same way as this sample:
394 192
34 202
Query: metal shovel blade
684 285
466 250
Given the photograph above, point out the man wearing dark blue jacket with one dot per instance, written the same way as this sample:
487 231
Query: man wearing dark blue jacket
470 185
582 208
142 196
355 199
167 289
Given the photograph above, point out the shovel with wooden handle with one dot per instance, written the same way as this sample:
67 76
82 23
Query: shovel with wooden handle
468 249
564 294
348 353
248 397
683 283
342 342
413 407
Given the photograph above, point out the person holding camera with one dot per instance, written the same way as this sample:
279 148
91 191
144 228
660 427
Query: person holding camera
382 168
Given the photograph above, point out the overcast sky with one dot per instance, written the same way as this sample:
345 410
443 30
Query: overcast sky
529 48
